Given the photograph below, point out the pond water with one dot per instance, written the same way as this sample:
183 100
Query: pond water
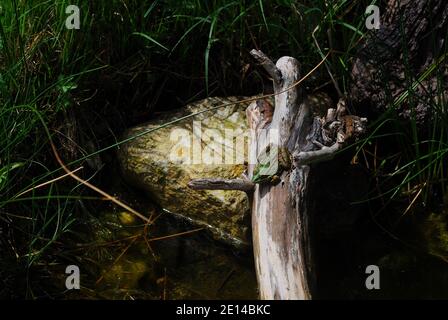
178 261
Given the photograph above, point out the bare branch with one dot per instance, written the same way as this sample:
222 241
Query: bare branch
221 184
268 65
323 154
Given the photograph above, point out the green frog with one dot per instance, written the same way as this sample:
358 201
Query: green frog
270 164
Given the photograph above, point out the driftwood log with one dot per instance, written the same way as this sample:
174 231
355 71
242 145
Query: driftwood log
281 219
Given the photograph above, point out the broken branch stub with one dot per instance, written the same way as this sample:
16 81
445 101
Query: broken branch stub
221 184
268 65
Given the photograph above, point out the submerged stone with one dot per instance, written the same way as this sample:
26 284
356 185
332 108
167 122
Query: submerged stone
211 144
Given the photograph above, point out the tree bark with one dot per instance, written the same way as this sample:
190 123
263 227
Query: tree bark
392 62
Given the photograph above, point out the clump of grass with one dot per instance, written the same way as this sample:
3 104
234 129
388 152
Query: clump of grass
410 165
41 64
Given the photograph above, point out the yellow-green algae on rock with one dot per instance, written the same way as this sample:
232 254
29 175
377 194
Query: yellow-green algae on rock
162 162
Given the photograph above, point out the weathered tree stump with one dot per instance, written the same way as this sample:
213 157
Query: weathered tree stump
280 230
281 218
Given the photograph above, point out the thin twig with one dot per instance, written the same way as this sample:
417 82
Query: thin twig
175 235
326 65
48 182
91 186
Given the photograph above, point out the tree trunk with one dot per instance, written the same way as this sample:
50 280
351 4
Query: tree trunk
280 222
281 214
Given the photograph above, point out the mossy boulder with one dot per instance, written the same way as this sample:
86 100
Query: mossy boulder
210 144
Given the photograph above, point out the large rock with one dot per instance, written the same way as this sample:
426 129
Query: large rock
163 161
